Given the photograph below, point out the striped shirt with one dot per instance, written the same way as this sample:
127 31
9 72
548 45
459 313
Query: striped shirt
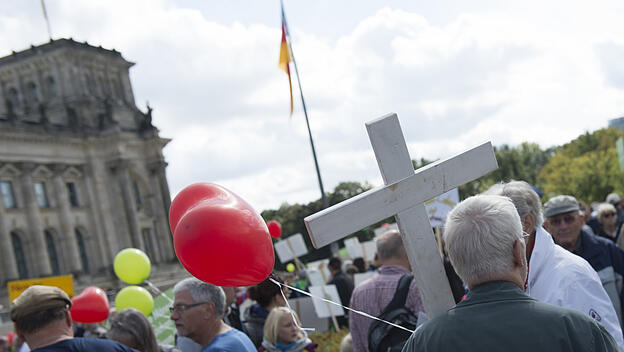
372 296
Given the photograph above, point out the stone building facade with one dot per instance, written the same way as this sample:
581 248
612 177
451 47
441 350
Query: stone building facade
82 174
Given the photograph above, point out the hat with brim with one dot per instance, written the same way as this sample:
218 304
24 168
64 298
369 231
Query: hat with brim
38 298
560 205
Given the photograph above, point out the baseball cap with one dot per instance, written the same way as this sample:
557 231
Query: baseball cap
559 205
38 298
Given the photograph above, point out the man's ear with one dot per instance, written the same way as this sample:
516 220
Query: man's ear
209 310
18 333
519 252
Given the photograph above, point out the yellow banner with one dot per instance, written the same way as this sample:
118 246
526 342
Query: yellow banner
64 282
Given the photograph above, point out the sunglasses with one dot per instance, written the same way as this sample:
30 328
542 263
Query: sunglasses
568 219
608 215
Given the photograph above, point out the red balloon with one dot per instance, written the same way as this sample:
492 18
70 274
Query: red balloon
275 228
91 306
219 238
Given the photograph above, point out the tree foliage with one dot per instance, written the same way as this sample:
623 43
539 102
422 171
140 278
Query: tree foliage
522 162
587 167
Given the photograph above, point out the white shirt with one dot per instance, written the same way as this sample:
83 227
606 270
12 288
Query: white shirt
564 279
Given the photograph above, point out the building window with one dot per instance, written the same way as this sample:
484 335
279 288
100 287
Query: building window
137 193
8 197
82 250
20 259
71 193
41 195
33 91
14 98
147 242
54 263
52 90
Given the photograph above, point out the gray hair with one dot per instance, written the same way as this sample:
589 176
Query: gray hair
523 196
390 245
480 234
603 208
203 292
132 323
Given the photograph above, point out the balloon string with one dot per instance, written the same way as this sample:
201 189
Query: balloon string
158 291
289 308
337 304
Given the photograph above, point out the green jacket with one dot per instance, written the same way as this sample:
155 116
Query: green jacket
499 316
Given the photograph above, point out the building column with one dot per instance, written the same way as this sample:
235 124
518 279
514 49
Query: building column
67 225
35 225
9 266
121 170
162 202
104 235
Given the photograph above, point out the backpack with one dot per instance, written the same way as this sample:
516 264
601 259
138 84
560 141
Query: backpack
383 337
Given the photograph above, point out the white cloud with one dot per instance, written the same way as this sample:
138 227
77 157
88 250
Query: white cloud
539 72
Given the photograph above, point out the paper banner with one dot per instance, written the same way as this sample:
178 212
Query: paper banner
164 328
321 307
287 246
361 277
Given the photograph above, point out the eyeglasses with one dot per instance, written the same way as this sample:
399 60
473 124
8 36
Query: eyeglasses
568 219
183 307
608 215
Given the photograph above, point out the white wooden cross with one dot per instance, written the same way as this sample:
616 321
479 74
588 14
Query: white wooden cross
403 196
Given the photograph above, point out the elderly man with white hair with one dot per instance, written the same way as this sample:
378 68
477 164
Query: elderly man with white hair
486 245
557 276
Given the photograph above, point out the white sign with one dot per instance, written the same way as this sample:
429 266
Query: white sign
316 278
370 249
322 308
361 277
440 206
287 246
353 247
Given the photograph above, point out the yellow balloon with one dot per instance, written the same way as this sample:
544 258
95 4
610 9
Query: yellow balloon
134 297
132 266
290 267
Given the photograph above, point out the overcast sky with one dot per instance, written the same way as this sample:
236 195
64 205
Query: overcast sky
457 73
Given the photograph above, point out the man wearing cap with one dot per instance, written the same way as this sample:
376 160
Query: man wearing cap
41 318
564 221
555 275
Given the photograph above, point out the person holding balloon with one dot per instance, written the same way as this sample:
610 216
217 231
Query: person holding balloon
198 309
267 295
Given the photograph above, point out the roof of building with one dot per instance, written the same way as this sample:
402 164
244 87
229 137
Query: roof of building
55 44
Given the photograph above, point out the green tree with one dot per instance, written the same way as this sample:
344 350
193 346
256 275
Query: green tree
522 162
586 168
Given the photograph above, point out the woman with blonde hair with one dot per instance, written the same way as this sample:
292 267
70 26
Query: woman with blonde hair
281 334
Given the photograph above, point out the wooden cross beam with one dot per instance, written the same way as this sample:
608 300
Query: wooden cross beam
403 196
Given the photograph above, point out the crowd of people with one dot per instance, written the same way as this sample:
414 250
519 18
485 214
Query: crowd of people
545 276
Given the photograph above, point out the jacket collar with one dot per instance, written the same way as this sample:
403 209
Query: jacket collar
493 291
542 251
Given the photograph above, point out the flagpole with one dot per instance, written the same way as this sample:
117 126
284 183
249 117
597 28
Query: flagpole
305 112
45 15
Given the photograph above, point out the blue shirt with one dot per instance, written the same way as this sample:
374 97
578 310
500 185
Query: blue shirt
231 341
85 344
